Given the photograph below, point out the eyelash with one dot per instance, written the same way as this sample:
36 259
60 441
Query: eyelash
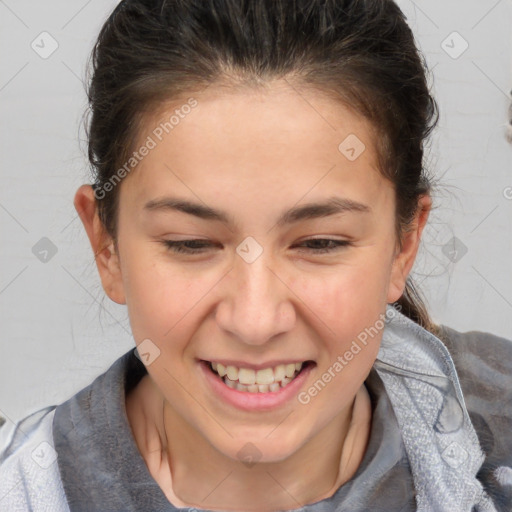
179 246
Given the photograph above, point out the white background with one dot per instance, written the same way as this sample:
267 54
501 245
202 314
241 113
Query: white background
59 330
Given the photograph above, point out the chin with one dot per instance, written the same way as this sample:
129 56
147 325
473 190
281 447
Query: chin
260 449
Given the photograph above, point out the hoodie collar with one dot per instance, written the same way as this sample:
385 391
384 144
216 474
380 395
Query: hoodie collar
417 396
441 443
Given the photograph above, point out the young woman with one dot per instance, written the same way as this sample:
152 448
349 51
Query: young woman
258 202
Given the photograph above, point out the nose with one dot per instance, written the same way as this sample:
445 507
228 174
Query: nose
256 305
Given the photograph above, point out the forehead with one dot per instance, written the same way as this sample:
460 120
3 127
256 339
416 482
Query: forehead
256 142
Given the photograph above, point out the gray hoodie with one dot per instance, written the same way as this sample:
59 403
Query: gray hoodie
441 436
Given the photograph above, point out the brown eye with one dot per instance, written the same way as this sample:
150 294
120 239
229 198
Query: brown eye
324 245
187 246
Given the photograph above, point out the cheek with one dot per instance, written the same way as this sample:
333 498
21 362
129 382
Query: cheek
348 308
161 298
347 298
348 321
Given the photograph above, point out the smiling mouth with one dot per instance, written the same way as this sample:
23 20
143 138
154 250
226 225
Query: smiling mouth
266 380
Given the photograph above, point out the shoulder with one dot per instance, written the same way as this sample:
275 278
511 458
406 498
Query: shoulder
29 473
484 366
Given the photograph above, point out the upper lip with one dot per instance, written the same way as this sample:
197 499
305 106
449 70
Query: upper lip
255 366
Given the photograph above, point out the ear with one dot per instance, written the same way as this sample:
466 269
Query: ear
103 246
404 259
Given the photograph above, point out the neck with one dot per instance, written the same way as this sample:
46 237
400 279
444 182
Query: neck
191 472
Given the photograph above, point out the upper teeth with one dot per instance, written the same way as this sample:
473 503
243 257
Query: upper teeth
248 376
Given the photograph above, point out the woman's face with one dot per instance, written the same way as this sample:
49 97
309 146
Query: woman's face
257 177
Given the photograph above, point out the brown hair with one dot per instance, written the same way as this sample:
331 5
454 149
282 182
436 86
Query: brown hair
360 51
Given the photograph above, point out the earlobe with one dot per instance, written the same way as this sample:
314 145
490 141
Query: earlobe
406 256
104 249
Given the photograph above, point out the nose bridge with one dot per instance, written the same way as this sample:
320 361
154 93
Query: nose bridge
258 287
256 307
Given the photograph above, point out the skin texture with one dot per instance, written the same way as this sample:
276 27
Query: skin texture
253 154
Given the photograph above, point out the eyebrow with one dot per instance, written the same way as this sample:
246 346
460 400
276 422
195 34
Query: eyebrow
309 211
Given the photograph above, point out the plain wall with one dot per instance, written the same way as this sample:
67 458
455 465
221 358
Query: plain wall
59 330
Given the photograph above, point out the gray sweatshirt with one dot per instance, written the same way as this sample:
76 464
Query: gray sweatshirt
441 436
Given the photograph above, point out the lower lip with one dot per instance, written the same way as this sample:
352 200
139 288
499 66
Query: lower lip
248 401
